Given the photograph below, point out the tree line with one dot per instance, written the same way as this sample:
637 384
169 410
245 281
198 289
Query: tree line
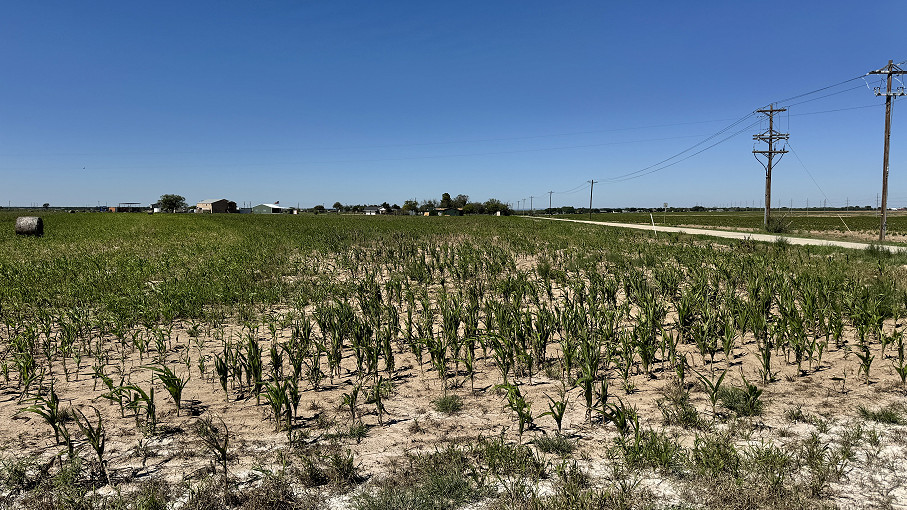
412 206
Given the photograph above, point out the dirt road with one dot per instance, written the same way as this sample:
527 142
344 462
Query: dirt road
769 238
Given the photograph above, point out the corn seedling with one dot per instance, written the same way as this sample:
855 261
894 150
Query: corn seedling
518 404
712 387
350 401
865 361
49 409
277 399
172 382
216 438
557 409
96 436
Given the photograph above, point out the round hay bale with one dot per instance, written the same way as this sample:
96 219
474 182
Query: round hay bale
29 226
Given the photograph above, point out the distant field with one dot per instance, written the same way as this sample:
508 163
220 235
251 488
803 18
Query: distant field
851 225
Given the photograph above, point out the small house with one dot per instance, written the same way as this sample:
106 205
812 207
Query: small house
216 206
373 210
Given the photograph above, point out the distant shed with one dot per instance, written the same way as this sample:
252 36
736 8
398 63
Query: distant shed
267 209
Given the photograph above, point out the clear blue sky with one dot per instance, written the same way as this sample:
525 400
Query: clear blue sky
365 102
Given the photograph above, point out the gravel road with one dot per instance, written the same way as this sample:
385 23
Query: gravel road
769 238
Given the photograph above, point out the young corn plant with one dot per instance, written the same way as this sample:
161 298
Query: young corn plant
254 367
557 409
216 438
602 403
350 401
114 393
713 388
377 396
49 409
291 389
172 382
223 372
900 366
590 359
277 398
518 404
138 399
96 436
503 355
313 371
865 360
624 417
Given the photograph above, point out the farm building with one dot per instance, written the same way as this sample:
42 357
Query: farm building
449 211
372 210
216 206
267 209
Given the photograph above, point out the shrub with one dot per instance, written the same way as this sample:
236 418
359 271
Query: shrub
556 444
887 415
450 404
743 401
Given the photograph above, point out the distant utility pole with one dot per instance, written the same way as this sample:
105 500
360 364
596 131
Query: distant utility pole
531 207
549 200
770 137
890 70
592 185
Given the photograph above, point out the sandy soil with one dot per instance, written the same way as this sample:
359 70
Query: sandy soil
831 390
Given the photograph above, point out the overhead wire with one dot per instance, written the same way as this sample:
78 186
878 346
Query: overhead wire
661 165
627 177
824 96
794 152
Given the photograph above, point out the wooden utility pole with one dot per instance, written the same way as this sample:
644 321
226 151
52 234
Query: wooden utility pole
890 70
591 186
770 137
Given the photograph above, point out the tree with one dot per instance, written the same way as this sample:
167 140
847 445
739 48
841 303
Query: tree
338 206
473 208
171 202
446 201
461 201
410 205
46 205
493 205
428 205
318 209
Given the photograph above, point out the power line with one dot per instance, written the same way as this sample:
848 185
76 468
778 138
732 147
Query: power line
631 176
833 111
798 96
661 164
826 95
